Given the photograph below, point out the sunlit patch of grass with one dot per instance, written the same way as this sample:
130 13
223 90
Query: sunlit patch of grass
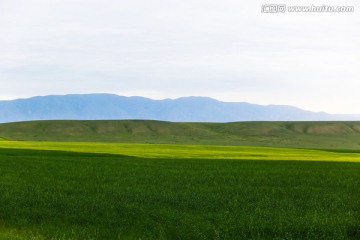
190 151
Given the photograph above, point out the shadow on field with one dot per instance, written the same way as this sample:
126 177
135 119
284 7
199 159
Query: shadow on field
55 153
353 232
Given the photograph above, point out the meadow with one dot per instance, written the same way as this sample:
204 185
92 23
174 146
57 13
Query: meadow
163 180
53 190
321 135
179 151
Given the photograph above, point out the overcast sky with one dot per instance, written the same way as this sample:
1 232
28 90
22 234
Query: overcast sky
225 49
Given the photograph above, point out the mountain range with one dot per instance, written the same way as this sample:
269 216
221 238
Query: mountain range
186 109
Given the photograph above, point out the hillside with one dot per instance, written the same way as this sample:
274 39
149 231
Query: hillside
187 109
339 135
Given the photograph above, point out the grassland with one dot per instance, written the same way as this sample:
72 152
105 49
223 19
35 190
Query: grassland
325 135
68 195
178 151
98 187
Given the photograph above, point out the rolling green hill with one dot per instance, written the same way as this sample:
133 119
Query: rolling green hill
340 135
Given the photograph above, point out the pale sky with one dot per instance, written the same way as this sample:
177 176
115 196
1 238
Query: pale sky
225 49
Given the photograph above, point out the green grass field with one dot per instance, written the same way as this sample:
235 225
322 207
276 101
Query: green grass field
191 151
99 188
58 190
68 195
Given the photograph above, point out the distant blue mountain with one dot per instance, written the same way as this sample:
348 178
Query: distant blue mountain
186 109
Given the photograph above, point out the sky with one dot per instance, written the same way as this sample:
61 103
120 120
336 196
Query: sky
225 49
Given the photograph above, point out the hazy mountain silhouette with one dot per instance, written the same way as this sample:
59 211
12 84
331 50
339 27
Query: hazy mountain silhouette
186 109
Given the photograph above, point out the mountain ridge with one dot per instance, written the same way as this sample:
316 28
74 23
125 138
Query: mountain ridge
102 106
